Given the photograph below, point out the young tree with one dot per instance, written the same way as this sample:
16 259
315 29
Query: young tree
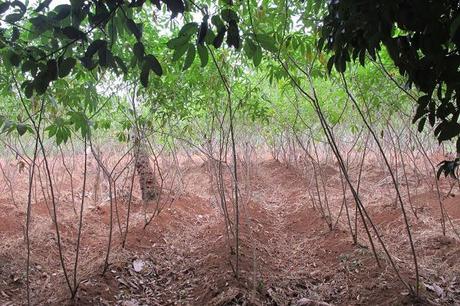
422 39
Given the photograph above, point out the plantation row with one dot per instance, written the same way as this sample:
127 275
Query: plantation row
104 102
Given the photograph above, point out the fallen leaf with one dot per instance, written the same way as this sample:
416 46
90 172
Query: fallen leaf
138 265
435 288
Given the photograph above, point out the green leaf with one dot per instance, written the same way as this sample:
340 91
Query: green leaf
153 64
233 35
73 33
80 122
340 62
203 30
94 47
41 83
52 69
13 58
454 26
267 42
250 47
180 51
448 131
217 22
257 56
4 7
102 54
21 128
210 36
42 5
41 23
421 108
421 124
330 64
175 6
62 11
133 28
15 17
190 57
203 54
138 50
66 66
7 126
219 38
188 29
177 42
121 137
144 78
229 15
29 90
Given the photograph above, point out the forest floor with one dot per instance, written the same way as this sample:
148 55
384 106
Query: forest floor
288 254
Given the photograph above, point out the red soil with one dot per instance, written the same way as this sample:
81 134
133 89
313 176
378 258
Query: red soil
288 254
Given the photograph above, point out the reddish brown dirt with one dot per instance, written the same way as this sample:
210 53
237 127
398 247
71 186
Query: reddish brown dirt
288 254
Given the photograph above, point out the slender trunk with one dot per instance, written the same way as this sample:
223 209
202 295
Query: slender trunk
148 184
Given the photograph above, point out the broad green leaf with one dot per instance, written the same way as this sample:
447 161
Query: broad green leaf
257 56
133 28
66 66
233 36
29 90
43 5
210 36
454 26
15 17
4 6
179 52
448 131
202 31
21 128
13 58
144 77
330 64
249 48
177 42
188 29
267 42
219 38
138 50
62 11
41 83
229 15
217 22
191 52
203 54
154 64
94 47
52 69
73 33
41 23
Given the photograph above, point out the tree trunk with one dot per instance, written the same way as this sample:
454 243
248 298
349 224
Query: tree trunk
149 186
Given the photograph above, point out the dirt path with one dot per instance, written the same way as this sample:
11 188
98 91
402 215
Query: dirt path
288 254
